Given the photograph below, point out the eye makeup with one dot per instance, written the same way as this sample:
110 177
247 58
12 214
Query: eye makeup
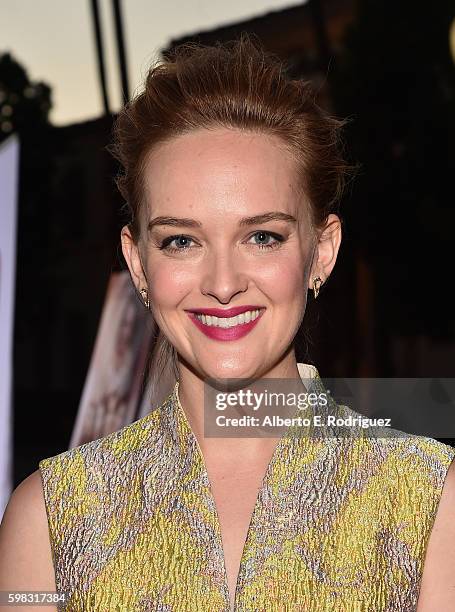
164 245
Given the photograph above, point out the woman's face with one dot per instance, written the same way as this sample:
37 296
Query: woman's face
202 248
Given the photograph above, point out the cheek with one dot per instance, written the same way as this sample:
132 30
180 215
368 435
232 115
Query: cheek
282 280
169 284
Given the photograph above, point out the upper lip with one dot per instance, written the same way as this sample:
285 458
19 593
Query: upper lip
225 312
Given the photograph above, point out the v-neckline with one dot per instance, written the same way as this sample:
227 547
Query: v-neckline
286 438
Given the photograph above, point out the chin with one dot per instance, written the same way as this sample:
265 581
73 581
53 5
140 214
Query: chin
223 367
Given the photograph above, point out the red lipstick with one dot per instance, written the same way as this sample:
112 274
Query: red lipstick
225 333
225 312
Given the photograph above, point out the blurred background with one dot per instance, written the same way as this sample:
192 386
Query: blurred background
65 70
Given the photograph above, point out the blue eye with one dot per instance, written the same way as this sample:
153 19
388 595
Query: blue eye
266 235
180 237
183 242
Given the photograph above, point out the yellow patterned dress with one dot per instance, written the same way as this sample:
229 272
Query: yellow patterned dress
340 523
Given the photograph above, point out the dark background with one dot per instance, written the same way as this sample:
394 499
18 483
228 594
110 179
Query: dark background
387 308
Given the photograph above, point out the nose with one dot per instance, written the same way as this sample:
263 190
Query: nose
224 277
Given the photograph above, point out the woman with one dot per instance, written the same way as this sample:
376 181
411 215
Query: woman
232 175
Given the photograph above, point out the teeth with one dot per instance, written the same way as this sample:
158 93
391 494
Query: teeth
226 322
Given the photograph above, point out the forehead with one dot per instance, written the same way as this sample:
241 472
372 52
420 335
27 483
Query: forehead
228 170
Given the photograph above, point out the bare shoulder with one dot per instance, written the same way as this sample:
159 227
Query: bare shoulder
437 590
25 551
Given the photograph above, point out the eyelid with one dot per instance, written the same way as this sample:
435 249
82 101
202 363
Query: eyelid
164 244
274 235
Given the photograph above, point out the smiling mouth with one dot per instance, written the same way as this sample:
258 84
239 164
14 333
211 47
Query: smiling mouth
227 322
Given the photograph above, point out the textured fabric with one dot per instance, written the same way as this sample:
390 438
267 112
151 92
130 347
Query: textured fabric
340 523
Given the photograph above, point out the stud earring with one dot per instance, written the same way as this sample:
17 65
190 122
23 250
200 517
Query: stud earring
145 297
317 284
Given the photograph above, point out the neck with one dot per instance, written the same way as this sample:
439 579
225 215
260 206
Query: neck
237 450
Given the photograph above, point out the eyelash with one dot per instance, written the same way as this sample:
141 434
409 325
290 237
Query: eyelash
164 246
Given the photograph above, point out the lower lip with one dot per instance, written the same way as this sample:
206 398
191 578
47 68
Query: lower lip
222 333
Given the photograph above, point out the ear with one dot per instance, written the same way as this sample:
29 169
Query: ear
132 257
327 247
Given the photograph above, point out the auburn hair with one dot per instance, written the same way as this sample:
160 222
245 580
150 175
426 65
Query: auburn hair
235 84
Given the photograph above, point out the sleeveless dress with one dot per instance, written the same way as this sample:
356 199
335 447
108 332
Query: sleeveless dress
340 523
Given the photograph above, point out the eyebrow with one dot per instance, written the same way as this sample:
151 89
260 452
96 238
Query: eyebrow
244 222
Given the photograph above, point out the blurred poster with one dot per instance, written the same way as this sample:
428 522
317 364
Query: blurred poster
114 383
9 174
